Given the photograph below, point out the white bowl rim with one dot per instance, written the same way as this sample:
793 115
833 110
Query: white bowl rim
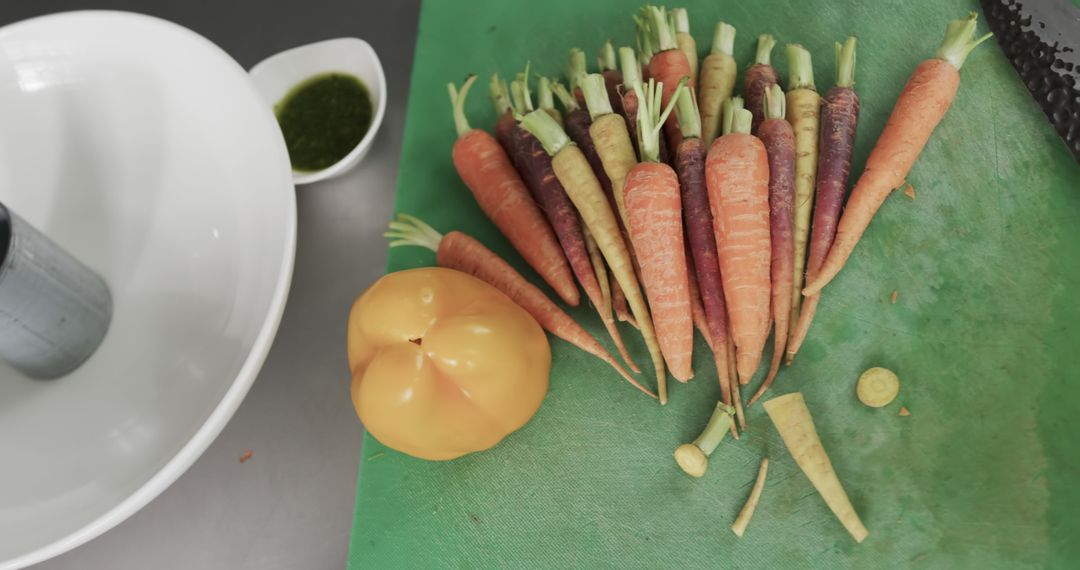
349 160
229 403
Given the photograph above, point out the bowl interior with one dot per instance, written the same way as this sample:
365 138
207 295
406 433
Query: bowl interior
275 76
180 196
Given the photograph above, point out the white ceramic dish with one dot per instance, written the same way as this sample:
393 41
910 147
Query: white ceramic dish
277 74
145 151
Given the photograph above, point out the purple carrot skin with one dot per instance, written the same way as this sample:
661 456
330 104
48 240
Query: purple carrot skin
839 117
607 62
534 164
697 217
779 139
576 121
758 78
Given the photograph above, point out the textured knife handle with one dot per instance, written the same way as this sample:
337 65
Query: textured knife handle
1041 38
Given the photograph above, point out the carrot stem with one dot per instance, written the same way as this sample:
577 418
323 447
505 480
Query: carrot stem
544 97
596 97
845 63
687 113
547 131
457 100
765 45
775 103
499 95
575 67
565 98
731 106
655 25
801 68
960 40
631 71
605 59
693 458
724 39
681 20
651 119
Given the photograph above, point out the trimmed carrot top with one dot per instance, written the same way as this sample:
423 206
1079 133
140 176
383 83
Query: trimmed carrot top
960 40
546 130
845 63
565 98
765 44
605 60
733 119
651 119
687 112
724 39
631 71
775 102
596 97
457 99
575 67
499 94
801 68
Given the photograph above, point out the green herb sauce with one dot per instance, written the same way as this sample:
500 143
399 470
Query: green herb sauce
323 119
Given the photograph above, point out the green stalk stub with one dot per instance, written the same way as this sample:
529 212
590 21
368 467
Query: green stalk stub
651 119
575 67
545 99
499 95
775 102
410 230
800 68
765 43
687 112
606 58
457 100
596 98
565 98
681 19
729 108
724 39
960 40
845 63
631 71
693 458
546 130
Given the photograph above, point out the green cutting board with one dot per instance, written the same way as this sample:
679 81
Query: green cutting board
984 335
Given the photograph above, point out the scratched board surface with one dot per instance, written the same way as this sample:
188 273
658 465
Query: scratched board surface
985 263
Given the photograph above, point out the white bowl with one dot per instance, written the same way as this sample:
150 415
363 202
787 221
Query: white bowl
144 150
276 75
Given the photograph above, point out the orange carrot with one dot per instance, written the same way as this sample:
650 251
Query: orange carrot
921 106
779 139
737 177
654 219
460 251
486 169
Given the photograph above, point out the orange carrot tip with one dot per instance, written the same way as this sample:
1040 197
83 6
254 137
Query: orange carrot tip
693 457
457 99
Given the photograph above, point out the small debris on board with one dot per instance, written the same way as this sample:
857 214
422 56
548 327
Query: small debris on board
904 412
892 297
246 455
376 455
909 191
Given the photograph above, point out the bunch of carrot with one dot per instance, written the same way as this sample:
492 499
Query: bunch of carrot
674 204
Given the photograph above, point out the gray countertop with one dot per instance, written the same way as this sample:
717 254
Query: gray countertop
291 504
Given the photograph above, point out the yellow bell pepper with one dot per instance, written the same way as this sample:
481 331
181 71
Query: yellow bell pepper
444 364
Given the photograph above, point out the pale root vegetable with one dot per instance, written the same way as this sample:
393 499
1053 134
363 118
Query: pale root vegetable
839 118
717 81
779 141
457 250
686 42
693 457
487 171
920 107
737 179
758 78
796 427
576 123
700 237
803 112
747 511
654 219
581 185
877 387
611 138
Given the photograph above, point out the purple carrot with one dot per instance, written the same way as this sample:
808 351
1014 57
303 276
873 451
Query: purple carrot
779 139
839 117
758 78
